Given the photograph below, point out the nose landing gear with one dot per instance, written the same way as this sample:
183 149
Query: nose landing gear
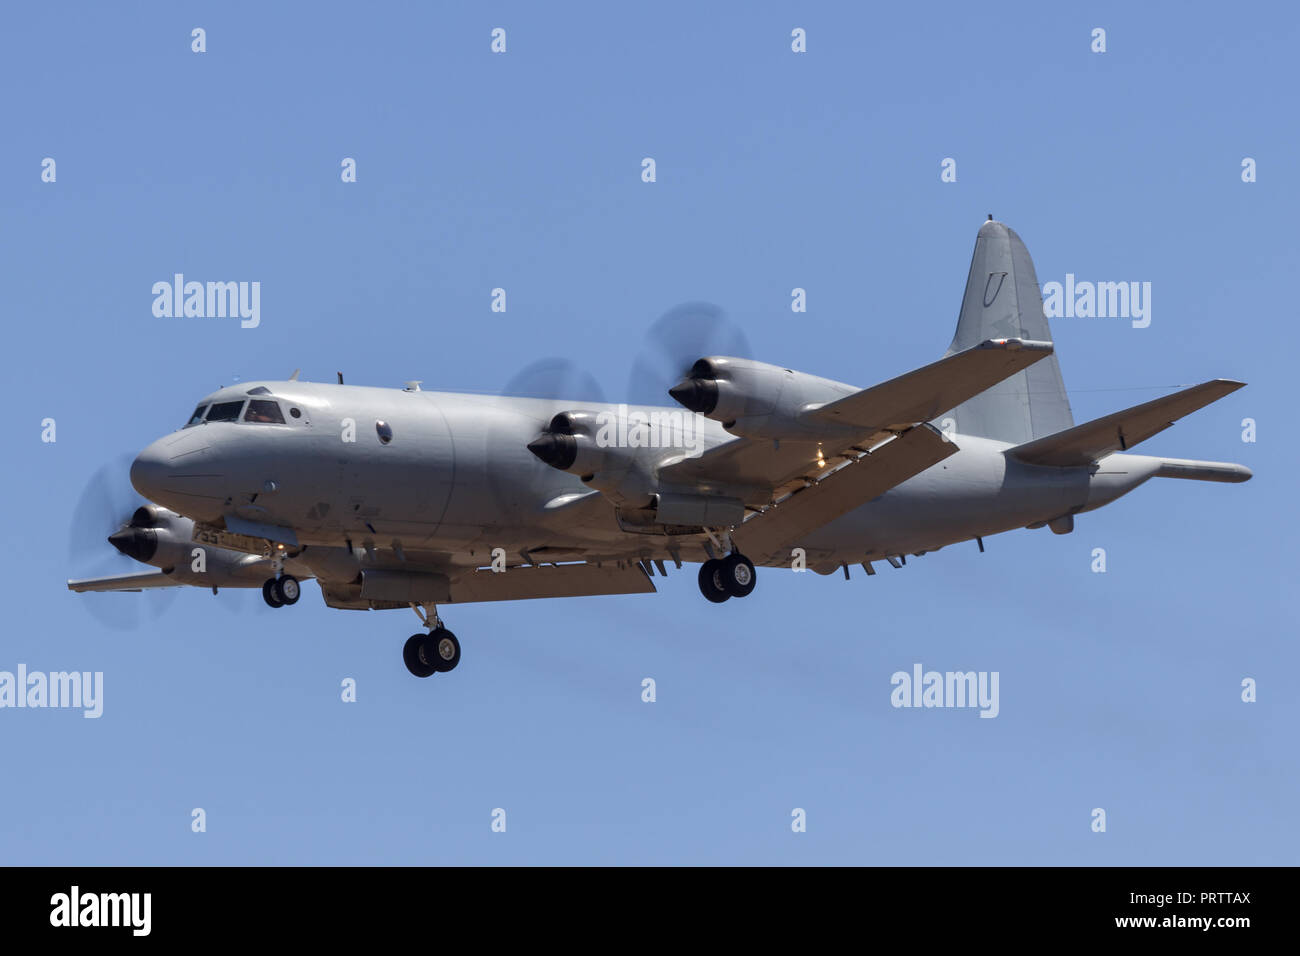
432 653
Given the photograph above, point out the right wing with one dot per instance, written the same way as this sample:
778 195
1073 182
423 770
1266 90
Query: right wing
126 582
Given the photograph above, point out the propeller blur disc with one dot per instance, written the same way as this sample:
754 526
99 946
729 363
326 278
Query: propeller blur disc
105 507
672 344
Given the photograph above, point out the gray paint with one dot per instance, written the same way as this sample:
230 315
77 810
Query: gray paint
1003 300
421 512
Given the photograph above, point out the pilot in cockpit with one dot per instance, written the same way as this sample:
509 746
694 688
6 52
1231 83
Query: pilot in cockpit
264 412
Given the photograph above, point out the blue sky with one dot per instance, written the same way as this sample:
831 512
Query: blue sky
775 170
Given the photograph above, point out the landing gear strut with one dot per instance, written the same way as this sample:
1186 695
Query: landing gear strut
432 653
723 578
282 591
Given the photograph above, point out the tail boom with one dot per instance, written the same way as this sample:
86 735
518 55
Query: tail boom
1203 470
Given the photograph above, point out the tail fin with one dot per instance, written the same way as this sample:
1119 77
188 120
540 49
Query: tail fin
1003 301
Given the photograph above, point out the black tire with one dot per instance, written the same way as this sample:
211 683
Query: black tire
442 649
738 575
712 585
411 656
269 594
287 589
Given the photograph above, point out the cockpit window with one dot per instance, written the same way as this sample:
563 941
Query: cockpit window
263 411
197 416
225 412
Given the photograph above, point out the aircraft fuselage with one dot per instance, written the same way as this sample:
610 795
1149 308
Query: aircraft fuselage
449 473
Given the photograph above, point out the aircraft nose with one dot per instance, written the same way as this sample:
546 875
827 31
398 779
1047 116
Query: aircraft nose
149 470
180 465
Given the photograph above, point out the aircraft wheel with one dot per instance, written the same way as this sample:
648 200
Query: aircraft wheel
287 589
269 594
441 649
412 658
712 585
738 575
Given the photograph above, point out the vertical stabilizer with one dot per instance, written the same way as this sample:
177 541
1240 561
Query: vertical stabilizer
1003 300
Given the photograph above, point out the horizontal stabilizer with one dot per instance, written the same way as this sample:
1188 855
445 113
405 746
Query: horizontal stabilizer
1096 439
922 394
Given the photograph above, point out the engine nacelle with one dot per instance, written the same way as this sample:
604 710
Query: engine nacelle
757 400
570 443
587 444
164 539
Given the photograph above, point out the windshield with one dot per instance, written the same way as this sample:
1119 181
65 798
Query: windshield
261 411
225 412
264 412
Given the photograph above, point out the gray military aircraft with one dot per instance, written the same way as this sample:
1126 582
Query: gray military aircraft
413 499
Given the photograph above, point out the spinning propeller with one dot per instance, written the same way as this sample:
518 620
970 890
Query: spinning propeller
111 533
672 347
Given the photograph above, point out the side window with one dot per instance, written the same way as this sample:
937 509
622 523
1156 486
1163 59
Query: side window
264 412
225 412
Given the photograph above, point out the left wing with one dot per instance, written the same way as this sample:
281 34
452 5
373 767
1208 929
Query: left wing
771 533
922 394
856 423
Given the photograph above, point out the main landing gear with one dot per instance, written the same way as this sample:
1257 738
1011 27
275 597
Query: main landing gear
432 653
281 591
723 578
